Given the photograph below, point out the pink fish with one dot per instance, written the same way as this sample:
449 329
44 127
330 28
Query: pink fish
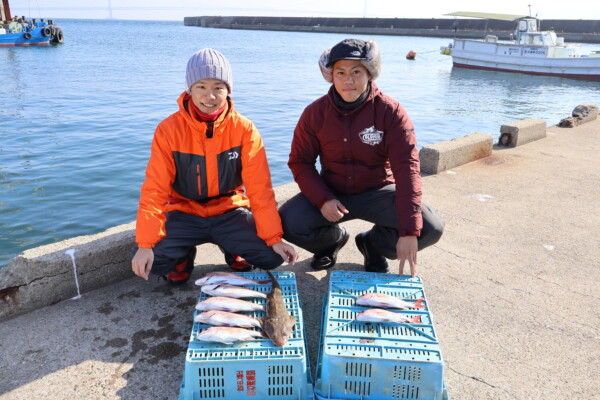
227 335
387 301
224 318
379 315
229 278
231 291
228 304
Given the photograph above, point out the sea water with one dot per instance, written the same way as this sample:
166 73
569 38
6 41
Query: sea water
76 120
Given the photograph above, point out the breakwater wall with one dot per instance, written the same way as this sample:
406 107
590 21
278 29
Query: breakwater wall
580 31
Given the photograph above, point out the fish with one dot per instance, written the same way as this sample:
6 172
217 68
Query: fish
379 315
227 278
277 322
228 304
231 291
227 335
387 301
224 318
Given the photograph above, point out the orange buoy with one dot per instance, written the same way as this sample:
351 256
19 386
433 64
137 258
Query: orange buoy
411 55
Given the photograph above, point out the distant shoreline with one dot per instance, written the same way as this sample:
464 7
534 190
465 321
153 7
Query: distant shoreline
574 31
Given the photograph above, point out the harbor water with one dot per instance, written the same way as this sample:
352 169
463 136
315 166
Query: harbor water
76 120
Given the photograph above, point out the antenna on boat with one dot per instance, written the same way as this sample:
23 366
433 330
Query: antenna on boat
529 5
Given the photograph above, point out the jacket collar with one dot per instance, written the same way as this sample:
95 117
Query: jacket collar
373 93
183 102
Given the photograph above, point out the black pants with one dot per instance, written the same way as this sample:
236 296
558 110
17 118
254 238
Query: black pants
234 232
305 226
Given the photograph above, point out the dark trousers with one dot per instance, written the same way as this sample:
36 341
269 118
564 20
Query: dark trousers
305 226
234 232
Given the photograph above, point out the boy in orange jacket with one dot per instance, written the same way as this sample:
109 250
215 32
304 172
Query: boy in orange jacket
207 170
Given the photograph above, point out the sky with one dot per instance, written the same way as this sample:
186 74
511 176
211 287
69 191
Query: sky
175 10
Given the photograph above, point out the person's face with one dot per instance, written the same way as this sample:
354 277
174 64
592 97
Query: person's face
350 79
209 95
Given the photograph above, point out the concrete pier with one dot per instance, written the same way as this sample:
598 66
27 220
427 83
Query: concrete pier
512 285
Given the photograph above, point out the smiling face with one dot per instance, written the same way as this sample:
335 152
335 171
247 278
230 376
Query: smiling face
209 95
350 79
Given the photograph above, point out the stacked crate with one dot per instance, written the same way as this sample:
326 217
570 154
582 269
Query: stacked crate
252 369
360 360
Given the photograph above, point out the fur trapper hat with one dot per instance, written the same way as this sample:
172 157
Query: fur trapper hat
367 51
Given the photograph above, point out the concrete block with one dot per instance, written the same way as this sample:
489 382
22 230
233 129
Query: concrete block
520 132
441 156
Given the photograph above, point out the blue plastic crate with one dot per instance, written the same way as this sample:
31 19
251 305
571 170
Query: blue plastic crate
253 369
360 360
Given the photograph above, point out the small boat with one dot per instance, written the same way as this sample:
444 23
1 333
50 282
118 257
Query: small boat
22 32
532 51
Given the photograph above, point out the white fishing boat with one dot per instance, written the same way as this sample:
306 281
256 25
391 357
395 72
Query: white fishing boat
532 51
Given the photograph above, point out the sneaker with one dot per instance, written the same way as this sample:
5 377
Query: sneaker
327 258
183 270
237 263
374 262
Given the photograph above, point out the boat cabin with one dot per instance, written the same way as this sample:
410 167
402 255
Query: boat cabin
528 34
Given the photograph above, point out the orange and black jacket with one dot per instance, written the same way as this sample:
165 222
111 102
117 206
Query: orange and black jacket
202 169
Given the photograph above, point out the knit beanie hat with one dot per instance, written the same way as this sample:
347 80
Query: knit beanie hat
208 63
367 51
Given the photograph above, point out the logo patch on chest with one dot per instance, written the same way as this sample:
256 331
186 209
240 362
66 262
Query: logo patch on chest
371 136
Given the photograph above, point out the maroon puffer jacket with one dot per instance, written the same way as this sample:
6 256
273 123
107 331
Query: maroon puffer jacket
370 147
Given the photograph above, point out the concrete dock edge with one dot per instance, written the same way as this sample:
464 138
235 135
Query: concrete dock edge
44 275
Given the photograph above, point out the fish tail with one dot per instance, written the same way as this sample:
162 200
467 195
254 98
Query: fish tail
415 320
419 303
273 280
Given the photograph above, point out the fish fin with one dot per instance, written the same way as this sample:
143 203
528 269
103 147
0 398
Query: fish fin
293 321
419 303
415 320
260 320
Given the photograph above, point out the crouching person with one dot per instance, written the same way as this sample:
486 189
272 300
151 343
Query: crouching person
202 158
370 169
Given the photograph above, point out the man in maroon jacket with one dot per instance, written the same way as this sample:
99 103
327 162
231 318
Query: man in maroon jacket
370 168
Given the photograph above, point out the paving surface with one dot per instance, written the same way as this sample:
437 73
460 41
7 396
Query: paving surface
513 286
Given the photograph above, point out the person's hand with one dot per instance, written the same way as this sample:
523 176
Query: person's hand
406 249
287 252
142 262
333 210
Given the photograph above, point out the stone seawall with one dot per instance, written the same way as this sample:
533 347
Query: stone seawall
580 31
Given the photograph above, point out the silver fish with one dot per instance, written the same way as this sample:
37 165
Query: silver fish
224 318
228 278
231 291
379 315
228 304
387 301
227 335
277 322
